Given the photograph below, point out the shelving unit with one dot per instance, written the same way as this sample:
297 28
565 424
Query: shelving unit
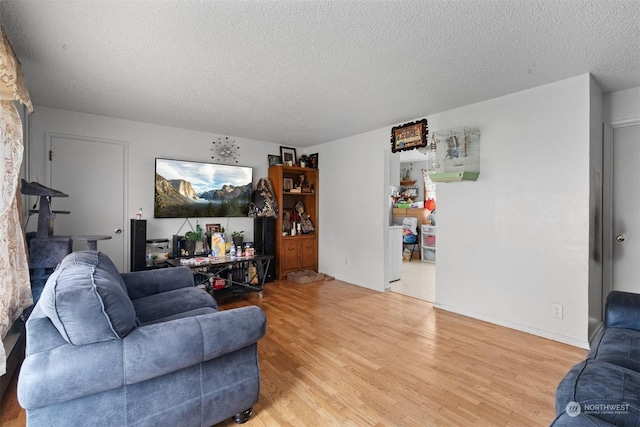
299 252
428 243
409 188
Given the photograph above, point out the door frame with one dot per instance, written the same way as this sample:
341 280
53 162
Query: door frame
126 238
607 201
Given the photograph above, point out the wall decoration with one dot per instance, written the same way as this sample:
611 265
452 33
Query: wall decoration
288 156
213 228
190 189
225 150
409 136
274 160
313 160
457 155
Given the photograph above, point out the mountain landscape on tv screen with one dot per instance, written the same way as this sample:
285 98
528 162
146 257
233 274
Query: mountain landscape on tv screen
176 198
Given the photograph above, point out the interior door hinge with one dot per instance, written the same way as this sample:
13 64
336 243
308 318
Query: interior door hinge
50 155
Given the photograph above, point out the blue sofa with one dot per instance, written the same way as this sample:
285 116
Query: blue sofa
136 349
604 389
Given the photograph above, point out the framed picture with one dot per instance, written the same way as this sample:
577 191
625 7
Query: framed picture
274 160
288 156
409 136
287 183
213 228
313 160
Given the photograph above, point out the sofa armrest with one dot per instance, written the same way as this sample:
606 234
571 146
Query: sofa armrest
149 282
622 310
69 372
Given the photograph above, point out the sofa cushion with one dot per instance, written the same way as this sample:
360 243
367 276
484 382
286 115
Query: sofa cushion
168 305
618 346
87 304
580 420
603 390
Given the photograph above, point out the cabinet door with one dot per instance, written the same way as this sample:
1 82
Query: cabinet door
308 255
290 255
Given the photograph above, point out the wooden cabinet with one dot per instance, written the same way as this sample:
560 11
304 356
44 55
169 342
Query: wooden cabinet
297 252
419 213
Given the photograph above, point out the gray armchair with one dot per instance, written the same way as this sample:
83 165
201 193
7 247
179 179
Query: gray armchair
136 349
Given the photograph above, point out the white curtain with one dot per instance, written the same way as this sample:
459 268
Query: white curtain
15 288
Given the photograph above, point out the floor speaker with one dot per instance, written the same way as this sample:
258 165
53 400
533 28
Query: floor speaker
264 241
138 245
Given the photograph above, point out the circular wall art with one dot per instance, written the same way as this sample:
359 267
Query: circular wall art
225 150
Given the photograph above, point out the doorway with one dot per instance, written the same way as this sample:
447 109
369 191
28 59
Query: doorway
418 274
93 173
626 209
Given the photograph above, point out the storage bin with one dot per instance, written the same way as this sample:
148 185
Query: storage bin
410 238
430 240
428 254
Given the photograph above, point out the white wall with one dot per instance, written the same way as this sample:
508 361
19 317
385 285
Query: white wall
146 142
509 245
354 208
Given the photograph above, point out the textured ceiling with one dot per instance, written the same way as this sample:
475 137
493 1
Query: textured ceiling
306 72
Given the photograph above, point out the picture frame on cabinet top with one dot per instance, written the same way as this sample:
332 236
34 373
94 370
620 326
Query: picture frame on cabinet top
313 161
274 160
288 154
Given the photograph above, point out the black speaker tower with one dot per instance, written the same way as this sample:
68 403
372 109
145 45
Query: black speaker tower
138 251
264 241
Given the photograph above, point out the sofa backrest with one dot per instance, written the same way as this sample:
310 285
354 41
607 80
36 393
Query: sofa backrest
86 300
94 258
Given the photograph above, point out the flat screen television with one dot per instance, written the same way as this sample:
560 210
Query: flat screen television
188 189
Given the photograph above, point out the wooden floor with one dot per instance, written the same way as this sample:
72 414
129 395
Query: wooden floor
336 354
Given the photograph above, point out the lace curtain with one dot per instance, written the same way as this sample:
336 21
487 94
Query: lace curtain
15 288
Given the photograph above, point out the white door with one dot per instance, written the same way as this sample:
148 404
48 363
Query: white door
92 172
626 209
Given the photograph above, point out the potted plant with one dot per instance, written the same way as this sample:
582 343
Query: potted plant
238 238
191 238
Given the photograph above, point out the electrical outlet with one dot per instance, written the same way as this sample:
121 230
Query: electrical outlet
346 260
556 311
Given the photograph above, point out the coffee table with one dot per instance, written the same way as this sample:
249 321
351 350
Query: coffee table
235 272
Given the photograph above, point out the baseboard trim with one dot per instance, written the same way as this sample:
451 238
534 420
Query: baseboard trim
512 325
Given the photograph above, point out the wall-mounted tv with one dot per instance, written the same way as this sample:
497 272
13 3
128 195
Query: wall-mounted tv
188 189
